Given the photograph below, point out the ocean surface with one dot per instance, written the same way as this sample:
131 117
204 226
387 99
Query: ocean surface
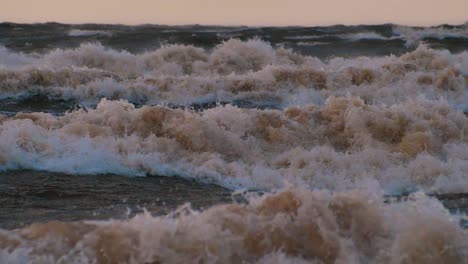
211 144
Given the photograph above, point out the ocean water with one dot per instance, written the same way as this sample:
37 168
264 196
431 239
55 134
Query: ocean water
195 144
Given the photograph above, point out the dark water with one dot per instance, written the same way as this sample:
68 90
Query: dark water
35 103
30 196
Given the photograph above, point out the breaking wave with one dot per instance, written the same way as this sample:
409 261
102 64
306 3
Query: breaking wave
235 70
414 36
291 226
324 140
406 146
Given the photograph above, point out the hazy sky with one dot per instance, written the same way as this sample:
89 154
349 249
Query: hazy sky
238 12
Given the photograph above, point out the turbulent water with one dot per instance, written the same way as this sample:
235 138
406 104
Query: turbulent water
340 144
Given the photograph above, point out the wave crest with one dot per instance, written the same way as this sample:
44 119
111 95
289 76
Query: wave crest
416 144
247 71
291 226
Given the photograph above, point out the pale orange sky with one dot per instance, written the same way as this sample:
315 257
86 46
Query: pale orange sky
237 12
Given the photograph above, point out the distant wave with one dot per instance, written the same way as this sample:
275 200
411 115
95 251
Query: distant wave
313 37
336 40
348 36
414 36
365 35
411 36
80 33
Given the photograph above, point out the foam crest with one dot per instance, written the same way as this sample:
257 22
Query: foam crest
291 226
234 71
416 144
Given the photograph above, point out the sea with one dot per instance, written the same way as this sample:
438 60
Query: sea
217 144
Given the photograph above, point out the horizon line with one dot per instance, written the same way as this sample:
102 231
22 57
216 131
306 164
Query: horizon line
235 25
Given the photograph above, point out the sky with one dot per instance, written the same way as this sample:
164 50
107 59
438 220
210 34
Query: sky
237 12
